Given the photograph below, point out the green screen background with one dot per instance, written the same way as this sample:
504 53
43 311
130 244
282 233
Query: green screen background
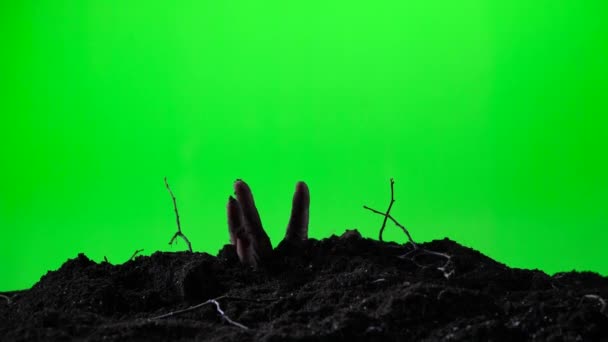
490 115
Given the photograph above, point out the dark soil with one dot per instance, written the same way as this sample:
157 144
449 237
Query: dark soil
336 289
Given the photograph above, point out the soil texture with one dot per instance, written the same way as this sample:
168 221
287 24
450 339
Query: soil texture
343 288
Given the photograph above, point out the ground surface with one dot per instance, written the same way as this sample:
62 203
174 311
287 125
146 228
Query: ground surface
336 289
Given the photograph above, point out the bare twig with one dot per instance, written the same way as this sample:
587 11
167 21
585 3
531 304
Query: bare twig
447 268
105 259
8 299
388 211
179 227
210 301
409 237
135 254
387 215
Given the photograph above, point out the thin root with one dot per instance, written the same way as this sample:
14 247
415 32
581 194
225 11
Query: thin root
599 299
226 318
380 280
8 299
447 268
219 310
197 306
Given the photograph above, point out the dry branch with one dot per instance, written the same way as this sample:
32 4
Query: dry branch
387 215
179 227
447 268
135 254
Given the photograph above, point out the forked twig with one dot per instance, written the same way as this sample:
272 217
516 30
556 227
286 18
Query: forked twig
179 227
447 268
387 215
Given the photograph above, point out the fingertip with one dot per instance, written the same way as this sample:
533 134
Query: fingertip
302 195
240 188
301 187
297 229
233 207
234 218
232 203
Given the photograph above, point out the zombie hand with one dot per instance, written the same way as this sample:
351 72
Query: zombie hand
245 227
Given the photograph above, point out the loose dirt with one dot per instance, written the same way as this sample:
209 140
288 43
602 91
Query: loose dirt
337 289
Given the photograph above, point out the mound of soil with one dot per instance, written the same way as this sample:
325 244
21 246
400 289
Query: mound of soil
336 289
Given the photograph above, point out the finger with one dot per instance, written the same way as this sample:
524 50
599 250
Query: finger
248 254
259 248
297 229
251 217
244 250
235 221
238 237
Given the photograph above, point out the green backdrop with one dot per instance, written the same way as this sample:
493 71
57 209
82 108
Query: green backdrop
491 115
